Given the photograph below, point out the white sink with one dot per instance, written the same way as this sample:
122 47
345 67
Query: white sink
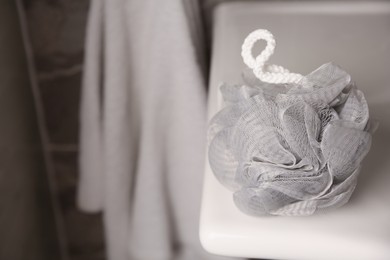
354 35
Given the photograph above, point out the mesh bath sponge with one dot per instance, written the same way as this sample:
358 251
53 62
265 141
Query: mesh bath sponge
287 144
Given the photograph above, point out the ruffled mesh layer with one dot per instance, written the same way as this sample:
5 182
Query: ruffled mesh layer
290 149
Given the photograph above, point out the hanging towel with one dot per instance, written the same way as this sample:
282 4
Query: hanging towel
143 121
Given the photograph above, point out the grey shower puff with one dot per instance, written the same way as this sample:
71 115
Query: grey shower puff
290 149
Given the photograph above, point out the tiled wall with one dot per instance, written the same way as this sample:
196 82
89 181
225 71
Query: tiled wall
27 217
57 32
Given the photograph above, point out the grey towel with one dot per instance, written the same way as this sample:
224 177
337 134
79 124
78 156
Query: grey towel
143 127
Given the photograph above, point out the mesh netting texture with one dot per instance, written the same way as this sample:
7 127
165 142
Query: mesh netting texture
290 149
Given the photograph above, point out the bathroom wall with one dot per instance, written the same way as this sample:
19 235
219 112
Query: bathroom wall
56 30
27 216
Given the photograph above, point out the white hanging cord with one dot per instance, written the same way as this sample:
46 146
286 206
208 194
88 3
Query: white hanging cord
269 73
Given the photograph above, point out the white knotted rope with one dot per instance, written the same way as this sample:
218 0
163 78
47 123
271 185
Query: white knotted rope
269 73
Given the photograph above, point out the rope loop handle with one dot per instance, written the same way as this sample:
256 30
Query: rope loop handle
265 72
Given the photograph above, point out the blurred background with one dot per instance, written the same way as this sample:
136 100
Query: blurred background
42 49
40 139
103 126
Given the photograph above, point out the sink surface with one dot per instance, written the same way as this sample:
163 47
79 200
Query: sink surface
354 35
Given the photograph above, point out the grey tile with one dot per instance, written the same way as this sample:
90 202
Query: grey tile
27 218
84 231
57 33
57 29
61 98
85 234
